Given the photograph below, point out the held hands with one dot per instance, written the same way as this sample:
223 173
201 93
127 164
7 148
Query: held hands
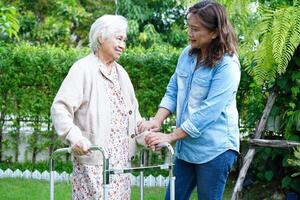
154 138
82 147
152 125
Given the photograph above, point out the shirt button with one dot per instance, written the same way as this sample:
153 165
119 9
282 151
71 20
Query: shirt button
132 135
130 112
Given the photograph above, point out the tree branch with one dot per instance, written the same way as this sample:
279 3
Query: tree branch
273 143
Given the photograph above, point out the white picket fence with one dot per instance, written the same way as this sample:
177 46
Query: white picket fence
149 181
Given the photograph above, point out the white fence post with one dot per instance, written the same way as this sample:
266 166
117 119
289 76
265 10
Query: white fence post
45 175
1 173
36 175
150 181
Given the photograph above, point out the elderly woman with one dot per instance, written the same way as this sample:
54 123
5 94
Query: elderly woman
96 105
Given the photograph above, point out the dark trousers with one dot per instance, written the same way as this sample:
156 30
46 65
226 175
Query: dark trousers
210 178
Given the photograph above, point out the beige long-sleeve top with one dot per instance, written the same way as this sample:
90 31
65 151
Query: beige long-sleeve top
81 108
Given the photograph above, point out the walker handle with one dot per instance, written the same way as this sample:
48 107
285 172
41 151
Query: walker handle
167 145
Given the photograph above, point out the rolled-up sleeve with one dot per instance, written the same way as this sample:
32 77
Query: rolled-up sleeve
223 90
67 101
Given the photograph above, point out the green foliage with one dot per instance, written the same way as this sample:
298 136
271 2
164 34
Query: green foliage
288 100
269 175
133 32
295 161
149 36
251 103
9 24
279 38
242 16
41 166
176 36
291 183
31 75
52 30
157 21
59 22
150 71
266 164
36 74
67 23
146 11
286 181
169 124
269 58
286 109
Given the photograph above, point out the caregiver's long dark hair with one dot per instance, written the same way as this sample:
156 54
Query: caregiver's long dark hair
213 17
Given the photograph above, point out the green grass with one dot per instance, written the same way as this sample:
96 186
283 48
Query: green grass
24 189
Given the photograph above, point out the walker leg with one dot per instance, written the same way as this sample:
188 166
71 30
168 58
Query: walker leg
106 191
141 185
52 185
143 157
172 181
105 174
172 188
52 179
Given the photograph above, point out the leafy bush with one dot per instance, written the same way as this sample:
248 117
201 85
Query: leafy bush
150 71
60 166
31 75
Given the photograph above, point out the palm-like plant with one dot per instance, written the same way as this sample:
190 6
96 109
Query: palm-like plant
279 36
277 39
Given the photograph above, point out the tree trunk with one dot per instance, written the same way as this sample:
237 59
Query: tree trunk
35 136
17 139
1 138
251 152
2 120
273 143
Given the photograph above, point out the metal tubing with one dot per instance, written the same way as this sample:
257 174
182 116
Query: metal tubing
54 155
168 165
171 166
142 175
51 185
105 172
172 185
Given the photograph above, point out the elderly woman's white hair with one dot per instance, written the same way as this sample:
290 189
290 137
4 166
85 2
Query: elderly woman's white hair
105 27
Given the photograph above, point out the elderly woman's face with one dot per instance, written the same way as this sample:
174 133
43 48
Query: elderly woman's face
114 45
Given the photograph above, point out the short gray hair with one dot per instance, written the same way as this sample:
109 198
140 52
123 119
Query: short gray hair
105 26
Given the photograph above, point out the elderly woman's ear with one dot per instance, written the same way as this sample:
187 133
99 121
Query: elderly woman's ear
100 40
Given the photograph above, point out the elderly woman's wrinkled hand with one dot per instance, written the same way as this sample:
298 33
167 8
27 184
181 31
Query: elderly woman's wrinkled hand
151 125
154 138
82 147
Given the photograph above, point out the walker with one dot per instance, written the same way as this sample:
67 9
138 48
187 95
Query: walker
168 165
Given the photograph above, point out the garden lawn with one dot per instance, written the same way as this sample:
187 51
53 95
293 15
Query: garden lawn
24 189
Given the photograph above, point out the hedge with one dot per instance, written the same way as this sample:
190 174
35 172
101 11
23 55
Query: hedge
31 75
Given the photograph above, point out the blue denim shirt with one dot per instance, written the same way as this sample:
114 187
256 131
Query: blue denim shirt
205 104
